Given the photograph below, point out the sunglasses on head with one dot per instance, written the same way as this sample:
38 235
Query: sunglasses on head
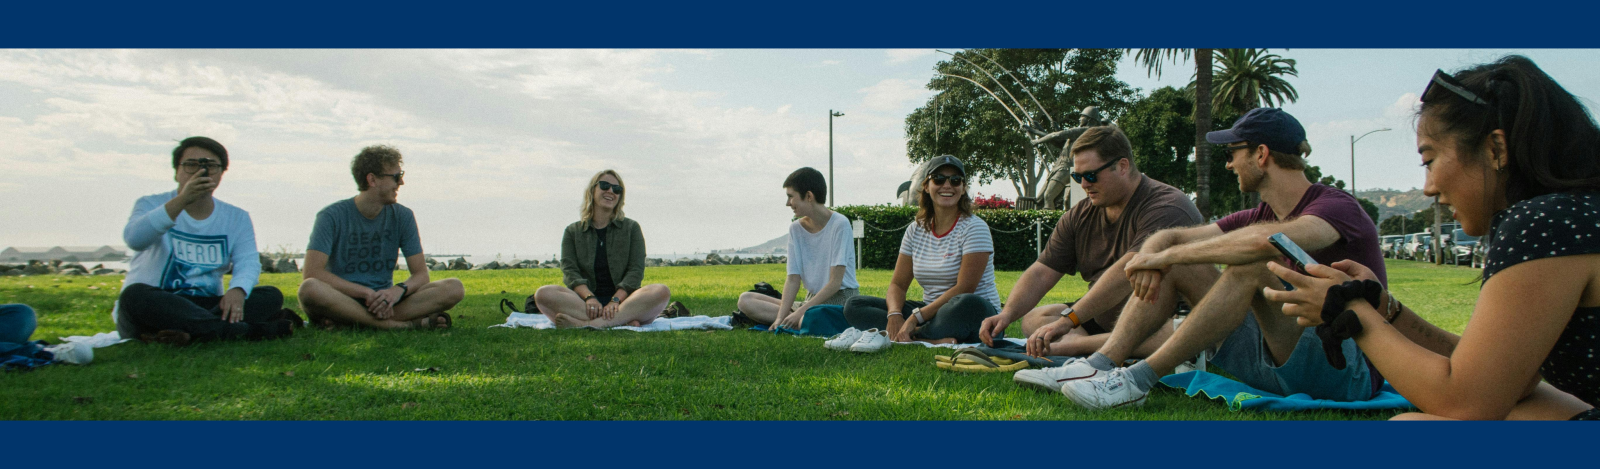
1442 80
1094 175
939 179
614 188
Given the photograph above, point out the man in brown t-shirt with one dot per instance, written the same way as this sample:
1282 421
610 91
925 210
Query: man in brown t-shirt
1094 238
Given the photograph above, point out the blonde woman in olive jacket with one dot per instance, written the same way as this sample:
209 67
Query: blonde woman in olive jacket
602 265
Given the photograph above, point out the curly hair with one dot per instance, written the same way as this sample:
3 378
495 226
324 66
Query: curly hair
373 160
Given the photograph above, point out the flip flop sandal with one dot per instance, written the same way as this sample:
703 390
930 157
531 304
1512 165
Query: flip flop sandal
321 322
974 356
988 369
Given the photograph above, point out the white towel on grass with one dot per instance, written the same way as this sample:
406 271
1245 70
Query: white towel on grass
540 321
103 339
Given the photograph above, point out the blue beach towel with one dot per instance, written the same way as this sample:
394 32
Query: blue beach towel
1241 396
821 320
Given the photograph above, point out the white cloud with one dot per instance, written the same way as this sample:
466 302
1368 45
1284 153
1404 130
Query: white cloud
894 95
898 56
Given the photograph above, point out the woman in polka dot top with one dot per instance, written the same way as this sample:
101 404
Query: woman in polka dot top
1518 158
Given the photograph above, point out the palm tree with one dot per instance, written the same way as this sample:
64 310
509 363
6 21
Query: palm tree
1251 78
1152 60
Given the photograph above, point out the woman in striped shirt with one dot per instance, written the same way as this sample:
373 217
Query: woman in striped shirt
950 253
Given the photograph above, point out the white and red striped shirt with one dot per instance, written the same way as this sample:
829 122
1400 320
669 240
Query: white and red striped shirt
936 259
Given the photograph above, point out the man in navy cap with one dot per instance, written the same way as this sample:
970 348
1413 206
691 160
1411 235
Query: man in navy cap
1254 341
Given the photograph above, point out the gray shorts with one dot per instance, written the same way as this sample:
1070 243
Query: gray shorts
841 296
1244 355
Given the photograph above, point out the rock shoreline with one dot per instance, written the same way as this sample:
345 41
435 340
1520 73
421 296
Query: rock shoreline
56 267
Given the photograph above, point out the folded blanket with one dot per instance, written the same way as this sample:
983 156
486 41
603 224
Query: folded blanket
1239 395
539 321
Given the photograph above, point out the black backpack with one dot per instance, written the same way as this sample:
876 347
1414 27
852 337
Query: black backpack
766 289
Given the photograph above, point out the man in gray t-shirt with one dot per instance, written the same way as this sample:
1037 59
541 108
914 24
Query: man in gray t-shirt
350 262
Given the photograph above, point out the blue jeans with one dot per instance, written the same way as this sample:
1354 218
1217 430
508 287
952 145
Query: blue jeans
1244 355
17 322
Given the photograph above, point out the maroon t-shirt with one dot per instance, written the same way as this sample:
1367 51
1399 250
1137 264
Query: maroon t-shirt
1358 236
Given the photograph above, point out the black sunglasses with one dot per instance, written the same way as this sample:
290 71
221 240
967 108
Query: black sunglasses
1228 150
1444 80
939 179
1092 176
614 188
397 176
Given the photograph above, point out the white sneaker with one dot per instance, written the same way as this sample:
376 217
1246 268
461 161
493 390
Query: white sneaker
871 341
1051 379
1109 389
843 340
72 352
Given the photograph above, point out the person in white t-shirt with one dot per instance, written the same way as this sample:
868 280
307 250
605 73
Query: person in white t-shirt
820 256
185 240
950 253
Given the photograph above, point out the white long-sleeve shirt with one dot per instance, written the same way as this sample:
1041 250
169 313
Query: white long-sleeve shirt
188 256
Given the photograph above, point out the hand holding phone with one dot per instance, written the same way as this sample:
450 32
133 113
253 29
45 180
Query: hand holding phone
1296 256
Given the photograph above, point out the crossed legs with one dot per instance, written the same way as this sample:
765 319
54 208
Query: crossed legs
566 309
1225 301
318 298
762 308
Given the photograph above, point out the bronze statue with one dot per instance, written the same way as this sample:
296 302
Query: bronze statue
1061 141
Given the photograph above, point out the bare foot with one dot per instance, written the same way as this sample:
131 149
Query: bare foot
634 323
563 322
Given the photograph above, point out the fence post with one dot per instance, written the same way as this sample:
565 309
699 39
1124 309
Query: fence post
1038 239
858 229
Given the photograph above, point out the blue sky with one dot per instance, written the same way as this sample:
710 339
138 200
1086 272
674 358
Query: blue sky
499 143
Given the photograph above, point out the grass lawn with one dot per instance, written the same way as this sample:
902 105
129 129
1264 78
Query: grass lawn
498 373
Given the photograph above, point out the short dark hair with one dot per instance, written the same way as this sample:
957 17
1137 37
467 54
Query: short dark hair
1108 141
204 143
1552 142
805 180
372 160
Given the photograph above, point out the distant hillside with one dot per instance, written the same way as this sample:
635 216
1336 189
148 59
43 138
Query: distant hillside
1392 202
778 245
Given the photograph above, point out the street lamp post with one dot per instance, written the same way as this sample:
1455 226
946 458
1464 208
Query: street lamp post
831 114
1353 140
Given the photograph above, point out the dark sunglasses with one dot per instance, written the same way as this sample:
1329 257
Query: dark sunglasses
211 166
939 179
397 176
1227 151
1092 176
1444 80
614 188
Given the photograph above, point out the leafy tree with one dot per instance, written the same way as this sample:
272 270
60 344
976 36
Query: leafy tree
1046 89
1369 207
1394 225
1152 59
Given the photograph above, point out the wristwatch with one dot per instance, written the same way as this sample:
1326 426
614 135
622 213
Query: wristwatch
1072 315
917 313
404 290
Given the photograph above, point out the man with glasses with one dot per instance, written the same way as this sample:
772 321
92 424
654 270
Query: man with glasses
1095 238
184 241
350 263
1257 343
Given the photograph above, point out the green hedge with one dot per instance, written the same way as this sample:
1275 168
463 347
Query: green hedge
1015 250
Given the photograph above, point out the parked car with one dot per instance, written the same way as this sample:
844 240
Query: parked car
1390 245
1463 246
1419 247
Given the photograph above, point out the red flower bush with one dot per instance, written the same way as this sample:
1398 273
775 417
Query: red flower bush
992 202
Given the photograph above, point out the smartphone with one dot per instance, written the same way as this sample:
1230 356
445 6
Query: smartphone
1296 256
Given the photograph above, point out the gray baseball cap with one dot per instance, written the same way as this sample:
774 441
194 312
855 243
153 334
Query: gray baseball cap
946 160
